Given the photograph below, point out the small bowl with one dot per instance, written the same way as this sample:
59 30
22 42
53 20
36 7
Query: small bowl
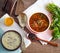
15 40
8 21
35 19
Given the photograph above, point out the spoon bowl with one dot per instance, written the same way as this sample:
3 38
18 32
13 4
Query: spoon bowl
22 18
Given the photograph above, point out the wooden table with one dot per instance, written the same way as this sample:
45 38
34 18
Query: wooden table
36 47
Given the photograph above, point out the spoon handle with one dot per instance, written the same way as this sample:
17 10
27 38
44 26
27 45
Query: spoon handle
49 42
27 30
23 46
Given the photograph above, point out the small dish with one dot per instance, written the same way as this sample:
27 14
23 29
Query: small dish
8 21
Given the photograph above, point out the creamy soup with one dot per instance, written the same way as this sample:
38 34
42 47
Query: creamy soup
11 40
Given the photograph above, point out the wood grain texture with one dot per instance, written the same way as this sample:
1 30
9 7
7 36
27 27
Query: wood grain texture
22 5
36 47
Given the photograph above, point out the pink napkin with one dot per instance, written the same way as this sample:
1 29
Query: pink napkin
40 6
46 35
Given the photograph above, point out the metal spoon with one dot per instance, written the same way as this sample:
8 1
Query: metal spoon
22 18
22 21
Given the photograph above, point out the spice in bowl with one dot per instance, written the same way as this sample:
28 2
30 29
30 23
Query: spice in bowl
38 22
8 21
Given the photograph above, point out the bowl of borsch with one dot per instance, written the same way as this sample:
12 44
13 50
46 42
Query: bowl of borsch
38 22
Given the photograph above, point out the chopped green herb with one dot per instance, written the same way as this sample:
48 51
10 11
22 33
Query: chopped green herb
55 25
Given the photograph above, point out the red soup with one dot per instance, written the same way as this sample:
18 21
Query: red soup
39 22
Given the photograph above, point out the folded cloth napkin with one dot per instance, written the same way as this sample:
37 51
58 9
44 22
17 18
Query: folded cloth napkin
22 5
15 7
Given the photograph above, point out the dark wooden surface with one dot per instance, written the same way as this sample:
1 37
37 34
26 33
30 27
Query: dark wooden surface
36 47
